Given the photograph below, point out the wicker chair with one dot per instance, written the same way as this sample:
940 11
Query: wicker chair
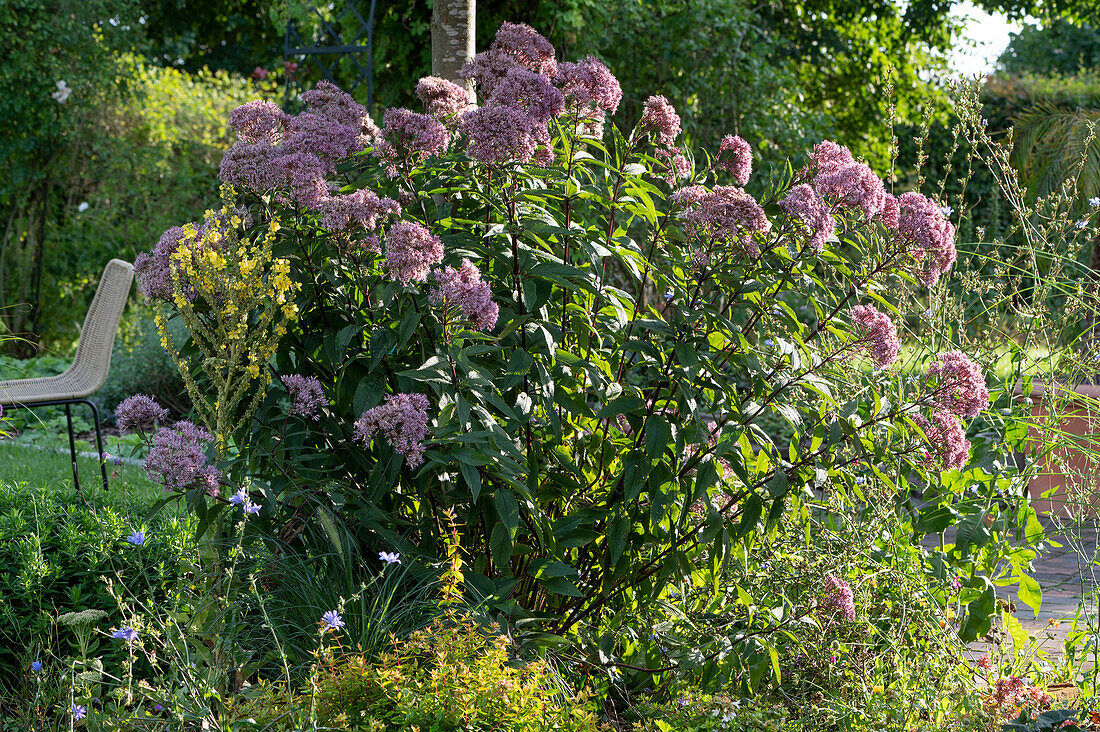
89 368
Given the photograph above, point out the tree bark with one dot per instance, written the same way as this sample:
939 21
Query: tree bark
452 39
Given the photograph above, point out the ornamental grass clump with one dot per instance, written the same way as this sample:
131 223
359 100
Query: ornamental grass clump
569 335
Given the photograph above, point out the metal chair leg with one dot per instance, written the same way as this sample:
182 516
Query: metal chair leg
99 443
72 443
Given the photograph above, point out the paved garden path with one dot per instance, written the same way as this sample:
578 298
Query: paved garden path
1066 574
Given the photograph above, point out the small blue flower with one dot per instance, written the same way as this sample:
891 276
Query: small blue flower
669 294
331 621
252 508
769 342
127 634
78 712
1082 223
240 498
946 210
1094 202
860 480
389 557
137 538
673 593
36 666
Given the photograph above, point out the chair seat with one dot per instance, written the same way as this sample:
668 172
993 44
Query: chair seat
69 385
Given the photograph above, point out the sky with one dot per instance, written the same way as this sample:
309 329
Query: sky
989 35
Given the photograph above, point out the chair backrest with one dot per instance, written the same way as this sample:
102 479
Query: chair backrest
97 337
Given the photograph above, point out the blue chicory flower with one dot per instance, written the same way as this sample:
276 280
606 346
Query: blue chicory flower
127 634
331 621
137 538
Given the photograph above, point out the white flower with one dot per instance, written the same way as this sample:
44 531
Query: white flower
946 210
62 93
389 557
82 207
1095 201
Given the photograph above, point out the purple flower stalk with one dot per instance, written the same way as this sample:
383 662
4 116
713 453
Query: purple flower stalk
358 210
589 88
837 599
500 134
256 121
306 395
803 204
442 99
462 288
176 460
948 447
928 234
879 334
533 93
961 385
735 156
139 413
727 214
411 250
403 419
660 118
412 136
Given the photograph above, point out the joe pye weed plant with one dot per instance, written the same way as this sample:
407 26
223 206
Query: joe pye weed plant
569 337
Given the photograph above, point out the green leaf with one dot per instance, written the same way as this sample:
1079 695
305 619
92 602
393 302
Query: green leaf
979 614
1031 594
507 509
501 543
473 480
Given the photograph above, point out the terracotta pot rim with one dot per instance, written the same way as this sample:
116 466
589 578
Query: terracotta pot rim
1070 391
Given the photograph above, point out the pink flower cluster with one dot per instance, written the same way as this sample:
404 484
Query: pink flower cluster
411 250
1010 693
948 446
442 99
960 387
735 156
880 336
154 269
360 209
515 45
837 599
138 413
463 288
803 203
177 460
845 183
306 395
660 118
258 121
409 137
930 236
589 88
276 150
499 134
403 419
726 214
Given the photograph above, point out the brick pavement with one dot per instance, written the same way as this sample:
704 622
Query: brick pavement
1066 574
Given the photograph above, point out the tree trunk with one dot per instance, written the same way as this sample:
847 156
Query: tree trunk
452 39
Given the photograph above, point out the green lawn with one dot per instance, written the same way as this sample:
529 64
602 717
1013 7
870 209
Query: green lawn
47 467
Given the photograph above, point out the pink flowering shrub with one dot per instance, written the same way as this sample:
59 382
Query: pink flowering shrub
573 336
